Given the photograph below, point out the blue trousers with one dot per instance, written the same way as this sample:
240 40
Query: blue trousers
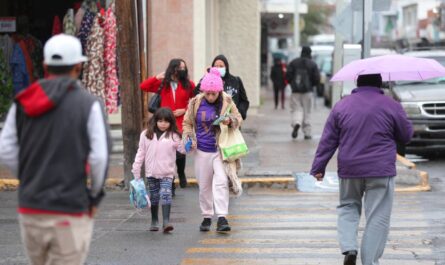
160 190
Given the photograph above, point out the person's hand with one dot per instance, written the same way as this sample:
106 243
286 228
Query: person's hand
160 76
93 211
179 112
319 177
226 121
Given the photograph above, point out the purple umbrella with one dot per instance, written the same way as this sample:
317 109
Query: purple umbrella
394 67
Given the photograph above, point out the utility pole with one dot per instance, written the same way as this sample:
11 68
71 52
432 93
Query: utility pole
129 72
367 28
297 24
338 54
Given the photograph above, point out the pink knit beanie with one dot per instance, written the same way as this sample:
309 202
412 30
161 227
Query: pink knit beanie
212 81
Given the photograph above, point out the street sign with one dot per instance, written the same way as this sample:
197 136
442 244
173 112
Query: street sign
377 5
7 24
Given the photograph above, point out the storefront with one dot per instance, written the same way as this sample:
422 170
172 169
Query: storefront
25 25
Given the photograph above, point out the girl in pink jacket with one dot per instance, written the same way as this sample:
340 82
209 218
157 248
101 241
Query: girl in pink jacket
157 148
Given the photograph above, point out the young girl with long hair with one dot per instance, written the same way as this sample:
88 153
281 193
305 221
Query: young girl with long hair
158 145
211 171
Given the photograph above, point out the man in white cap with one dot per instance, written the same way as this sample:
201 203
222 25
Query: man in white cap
55 136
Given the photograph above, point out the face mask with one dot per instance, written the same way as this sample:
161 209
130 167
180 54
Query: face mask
222 71
182 74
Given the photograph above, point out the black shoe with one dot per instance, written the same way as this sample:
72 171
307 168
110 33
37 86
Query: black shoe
307 137
182 181
205 225
295 131
350 257
154 218
222 225
166 218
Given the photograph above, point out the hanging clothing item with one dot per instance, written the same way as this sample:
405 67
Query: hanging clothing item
90 5
5 85
78 19
20 77
57 26
7 46
93 70
29 65
111 79
68 23
35 51
85 28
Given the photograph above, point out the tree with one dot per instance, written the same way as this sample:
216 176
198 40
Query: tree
316 20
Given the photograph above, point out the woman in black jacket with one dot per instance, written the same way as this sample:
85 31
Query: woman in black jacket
232 85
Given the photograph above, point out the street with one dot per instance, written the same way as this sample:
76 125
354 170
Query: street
270 226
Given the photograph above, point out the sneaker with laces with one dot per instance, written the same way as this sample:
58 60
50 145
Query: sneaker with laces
205 225
222 225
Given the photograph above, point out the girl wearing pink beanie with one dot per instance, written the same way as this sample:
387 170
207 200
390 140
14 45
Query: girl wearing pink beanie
212 81
210 169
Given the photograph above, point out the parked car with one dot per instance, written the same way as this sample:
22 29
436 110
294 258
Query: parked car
321 53
424 103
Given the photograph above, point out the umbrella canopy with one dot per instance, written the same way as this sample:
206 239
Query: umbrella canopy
393 67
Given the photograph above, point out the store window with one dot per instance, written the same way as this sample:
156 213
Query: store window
21 44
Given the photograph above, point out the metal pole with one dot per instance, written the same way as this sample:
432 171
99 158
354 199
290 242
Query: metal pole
297 24
338 55
367 28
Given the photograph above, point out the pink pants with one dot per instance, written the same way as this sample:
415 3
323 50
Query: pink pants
213 184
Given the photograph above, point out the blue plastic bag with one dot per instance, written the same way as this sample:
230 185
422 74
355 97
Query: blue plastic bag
138 194
188 145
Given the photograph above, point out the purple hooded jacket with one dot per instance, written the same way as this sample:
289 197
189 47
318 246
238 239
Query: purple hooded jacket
365 127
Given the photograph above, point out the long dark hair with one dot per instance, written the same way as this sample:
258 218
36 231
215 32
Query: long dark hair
162 114
172 68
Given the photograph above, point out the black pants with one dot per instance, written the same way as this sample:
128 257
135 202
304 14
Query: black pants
276 91
180 164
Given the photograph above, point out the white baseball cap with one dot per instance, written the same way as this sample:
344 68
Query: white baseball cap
63 49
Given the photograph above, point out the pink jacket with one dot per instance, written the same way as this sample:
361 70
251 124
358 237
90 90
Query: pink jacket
159 156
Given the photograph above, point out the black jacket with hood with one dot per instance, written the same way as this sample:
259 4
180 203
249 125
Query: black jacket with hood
304 62
232 86
52 119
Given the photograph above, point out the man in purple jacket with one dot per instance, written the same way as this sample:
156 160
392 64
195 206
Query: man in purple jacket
365 127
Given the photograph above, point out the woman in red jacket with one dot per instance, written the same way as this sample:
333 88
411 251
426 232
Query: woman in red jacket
176 91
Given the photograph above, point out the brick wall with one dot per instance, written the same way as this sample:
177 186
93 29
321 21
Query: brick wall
170 33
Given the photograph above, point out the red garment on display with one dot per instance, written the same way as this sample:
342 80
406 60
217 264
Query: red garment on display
57 26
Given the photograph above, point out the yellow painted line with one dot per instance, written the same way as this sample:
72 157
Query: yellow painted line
333 250
289 261
308 241
312 232
323 216
327 224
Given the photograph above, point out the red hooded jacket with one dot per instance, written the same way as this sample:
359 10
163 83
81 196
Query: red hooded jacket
180 101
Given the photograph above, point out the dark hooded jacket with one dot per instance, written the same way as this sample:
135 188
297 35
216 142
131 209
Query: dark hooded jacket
51 121
310 67
232 86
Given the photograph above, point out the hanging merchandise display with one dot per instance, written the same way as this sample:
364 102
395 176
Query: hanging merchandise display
68 23
5 86
111 79
57 26
85 28
93 69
